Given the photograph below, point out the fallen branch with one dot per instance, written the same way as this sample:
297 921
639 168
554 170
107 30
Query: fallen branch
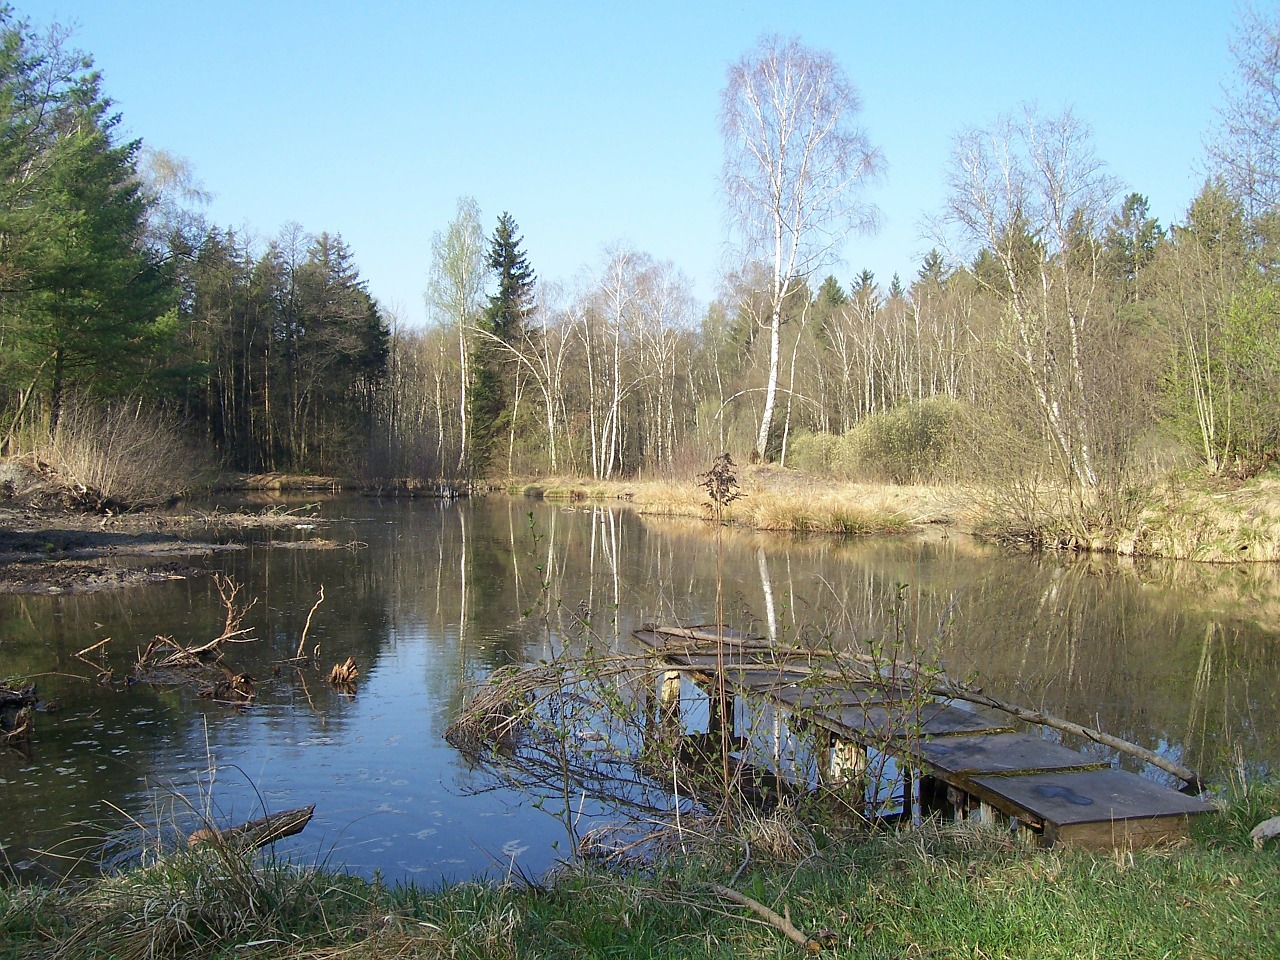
307 626
20 736
101 643
776 920
256 833
1185 774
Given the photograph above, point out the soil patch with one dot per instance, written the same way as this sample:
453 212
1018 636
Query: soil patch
46 550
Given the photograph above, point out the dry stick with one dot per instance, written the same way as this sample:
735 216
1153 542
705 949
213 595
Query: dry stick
302 642
229 637
257 833
90 649
776 920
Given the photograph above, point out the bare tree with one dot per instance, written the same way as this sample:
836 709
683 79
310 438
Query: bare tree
1246 147
1031 192
794 159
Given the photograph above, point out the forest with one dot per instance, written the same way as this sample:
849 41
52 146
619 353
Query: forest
1057 333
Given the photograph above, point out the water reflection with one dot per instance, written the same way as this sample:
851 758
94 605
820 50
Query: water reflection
427 596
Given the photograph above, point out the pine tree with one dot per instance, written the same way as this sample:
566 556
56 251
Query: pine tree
84 304
511 304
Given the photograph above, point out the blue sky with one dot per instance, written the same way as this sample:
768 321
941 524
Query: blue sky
596 123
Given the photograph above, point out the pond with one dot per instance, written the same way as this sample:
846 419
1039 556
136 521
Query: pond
427 597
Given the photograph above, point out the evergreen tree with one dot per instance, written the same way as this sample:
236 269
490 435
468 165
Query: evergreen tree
511 304
84 303
831 294
932 267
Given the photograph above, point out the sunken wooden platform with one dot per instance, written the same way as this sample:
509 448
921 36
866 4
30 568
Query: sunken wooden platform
970 762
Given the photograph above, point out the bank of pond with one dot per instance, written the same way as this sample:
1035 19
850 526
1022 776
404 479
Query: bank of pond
741 885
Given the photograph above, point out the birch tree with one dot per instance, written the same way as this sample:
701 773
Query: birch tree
1031 192
794 162
1245 149
455 297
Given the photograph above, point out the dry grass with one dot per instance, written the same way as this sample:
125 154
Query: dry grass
777 500
1182 516
1208 520
1188 517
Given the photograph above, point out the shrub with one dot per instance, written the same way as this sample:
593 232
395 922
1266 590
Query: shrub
911 442
124 454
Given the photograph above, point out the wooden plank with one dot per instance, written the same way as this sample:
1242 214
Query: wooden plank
1001 753
1109 834
765 681
827 698
731 659
706 633
872 721
1092 796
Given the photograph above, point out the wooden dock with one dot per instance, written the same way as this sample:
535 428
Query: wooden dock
957 761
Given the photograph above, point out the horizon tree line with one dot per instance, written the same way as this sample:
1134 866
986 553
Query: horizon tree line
1056 331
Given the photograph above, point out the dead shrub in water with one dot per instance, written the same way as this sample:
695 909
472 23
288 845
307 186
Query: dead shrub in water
122 455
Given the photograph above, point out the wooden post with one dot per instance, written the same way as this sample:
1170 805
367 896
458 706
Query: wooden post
848 761
933 798
669 696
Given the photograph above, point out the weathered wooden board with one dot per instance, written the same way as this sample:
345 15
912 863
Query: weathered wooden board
732 659
826 699
761 680
871 721
1001 753
1070 799
660 637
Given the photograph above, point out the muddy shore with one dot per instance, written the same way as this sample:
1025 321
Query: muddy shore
50 550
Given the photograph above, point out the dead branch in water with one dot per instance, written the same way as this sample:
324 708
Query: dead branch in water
343 676
19 736
256 833
232 632
302 642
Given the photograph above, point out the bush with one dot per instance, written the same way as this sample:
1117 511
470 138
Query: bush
912 442
814 453
123 455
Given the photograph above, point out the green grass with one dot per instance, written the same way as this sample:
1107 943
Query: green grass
932 892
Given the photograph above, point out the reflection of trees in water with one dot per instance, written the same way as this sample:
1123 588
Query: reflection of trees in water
1083 638
1168 656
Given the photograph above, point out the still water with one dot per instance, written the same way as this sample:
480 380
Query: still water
427 597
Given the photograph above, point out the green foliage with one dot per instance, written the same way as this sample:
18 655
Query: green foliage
287 353
1213 286
948 891
1131 239
492 391
512 303
82 294
913 442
